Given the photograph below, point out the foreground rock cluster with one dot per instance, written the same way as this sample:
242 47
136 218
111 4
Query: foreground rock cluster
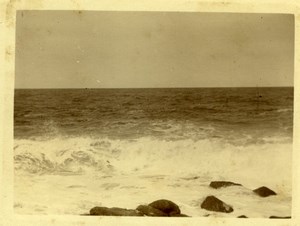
159 208
167 208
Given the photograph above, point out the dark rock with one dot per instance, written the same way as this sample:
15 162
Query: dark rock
150 211
220 184
166 206
104 211
242 216
191 178
214 204
276 217
264 191
179 215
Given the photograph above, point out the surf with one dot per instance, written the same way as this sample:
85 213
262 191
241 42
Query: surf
266 162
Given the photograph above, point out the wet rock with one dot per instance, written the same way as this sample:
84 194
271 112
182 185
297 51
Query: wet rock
242 216
150 211
214 204
276 217
115 211
166 206
190 178
179 215
264 191
220 184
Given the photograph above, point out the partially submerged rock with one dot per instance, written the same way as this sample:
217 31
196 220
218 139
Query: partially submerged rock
115 211
166 206
179 215
150 211
214 204
264 191
220 184
242 216
276 217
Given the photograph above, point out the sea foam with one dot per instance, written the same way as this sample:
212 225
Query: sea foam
251 164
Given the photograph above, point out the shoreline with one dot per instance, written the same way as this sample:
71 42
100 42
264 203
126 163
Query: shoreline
78 194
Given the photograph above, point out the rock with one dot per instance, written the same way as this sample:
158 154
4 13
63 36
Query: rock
190 178
150 211
214 204
166 206
242 216
276 217
179 215
220 184
264 191
104 211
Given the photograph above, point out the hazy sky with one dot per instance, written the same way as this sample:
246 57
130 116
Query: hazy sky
68 49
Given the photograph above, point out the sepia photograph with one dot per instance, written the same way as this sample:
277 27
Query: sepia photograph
153 114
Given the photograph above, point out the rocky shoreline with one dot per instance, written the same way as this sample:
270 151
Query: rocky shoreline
167 208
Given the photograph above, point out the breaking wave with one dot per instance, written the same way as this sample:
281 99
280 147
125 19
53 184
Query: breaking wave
148 155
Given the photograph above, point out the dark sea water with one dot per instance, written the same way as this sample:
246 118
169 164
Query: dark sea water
69 129
254 114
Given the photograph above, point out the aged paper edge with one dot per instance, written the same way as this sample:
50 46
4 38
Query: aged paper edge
7 47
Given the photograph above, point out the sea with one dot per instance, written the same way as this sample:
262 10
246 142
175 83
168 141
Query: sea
158 141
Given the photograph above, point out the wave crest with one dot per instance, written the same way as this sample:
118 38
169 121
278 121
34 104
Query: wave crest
210 157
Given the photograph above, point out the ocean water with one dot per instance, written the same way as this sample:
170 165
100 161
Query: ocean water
240 134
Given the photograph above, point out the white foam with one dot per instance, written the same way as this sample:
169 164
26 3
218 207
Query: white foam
268 163
285 110
127 173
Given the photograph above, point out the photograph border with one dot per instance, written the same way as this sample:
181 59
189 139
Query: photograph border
7 82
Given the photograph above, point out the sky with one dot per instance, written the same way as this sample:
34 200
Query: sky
94 49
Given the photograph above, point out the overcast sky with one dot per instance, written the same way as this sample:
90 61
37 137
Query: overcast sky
68 49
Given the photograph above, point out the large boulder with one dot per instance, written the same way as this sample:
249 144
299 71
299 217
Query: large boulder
150 211
214 204
166 206
115 211
220 184
264 191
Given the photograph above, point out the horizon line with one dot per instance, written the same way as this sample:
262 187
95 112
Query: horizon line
204 87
